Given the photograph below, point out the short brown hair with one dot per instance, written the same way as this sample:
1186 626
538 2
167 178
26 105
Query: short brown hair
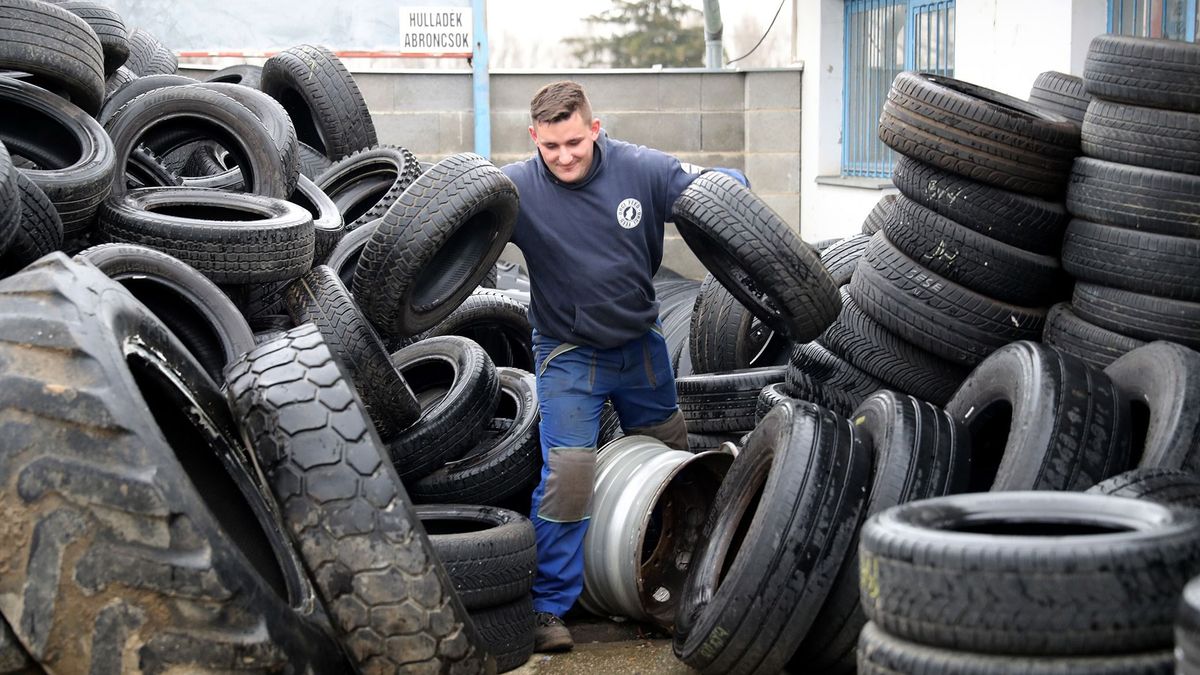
557 101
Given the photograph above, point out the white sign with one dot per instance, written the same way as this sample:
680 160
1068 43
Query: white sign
436 31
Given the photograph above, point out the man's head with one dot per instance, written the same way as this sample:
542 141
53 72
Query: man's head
564 130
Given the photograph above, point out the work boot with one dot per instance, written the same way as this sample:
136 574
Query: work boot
550 634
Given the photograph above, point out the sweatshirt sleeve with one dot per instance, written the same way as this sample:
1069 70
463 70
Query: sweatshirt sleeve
678 177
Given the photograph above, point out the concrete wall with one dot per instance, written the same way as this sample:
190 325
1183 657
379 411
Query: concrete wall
747 120
1001 44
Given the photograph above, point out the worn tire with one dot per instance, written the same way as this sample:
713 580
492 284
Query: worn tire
244 74
1143 262
148 56
507 631
328 228
76 159
721 402
203 318
40 229
1040 419
488 552
1020 220
1097 346
829 369
457 386
1140 316
724 335
793 494
1053 574
842 258
495 322
365 183
135 88
1162 382
1169 487
322 99
756 256
320 298
919 452
874 220
1150 200
233 239
1144 71
58 49
882 654
1060 93
278 124
979 133
140 540
1157 139
312 162
347 512
435 244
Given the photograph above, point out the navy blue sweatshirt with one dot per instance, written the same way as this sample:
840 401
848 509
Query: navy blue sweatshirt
592 247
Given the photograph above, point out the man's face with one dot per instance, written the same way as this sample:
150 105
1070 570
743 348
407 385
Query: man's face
567 146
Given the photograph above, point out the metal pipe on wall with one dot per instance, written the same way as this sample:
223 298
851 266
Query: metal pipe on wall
713 29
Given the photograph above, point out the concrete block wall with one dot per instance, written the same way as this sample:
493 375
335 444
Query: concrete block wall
748 120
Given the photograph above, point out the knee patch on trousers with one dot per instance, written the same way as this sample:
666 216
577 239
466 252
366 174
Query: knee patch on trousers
672 432
569 484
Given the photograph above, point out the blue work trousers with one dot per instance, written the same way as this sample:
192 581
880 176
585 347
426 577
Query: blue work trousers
573 382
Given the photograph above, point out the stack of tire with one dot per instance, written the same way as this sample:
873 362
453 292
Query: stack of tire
964 259
1133 245
1025 582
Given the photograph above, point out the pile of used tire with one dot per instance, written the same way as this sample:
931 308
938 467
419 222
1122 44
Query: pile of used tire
782 579
268 346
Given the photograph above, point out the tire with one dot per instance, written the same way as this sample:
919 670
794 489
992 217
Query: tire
320 298
40 230
119 78
312 162
275 119
345 256
1060 93
977 262
875 350
933 313
1187 630
435 244
919 452
458 389
701 442
725 336
148 56
10 200
507 632
76 159
56 48
1054 574
328 228
722 402
841 258
1157 139
495 322
804 387
112 418
882 654
244 74
1162 382
1143 262
109 28
1144 71
829 369
1019 220
230 238
488 552
171 117
1169 487
365 183
979 133
1161 202
322 99
770 396
1041 420
135 88
505 464
201 316
792 495
874 220
1144 317
346 510
765 265
1096 346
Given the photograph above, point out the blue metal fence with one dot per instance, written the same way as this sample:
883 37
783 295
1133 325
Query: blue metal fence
1171 19
882 38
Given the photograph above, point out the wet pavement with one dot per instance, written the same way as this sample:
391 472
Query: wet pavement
602 647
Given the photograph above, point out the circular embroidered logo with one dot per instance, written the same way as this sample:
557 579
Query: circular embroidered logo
629 213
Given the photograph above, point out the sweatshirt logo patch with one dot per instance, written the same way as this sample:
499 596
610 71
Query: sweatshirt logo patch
629 213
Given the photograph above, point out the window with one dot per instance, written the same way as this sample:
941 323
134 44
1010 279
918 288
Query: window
882 38
1172 19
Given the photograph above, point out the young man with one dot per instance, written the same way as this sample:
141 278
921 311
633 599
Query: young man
591 229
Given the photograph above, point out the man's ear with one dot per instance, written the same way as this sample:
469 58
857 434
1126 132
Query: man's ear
595 127
533 134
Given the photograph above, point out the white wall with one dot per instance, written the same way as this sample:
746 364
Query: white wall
1001 44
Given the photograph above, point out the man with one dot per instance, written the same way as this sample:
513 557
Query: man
591 229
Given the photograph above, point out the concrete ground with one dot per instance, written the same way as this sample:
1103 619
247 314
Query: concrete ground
603 646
